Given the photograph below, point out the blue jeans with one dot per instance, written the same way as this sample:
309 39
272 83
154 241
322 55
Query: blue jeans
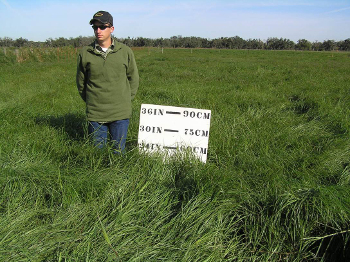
118 131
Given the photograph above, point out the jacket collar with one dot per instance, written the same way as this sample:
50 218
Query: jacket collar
98 47
94 46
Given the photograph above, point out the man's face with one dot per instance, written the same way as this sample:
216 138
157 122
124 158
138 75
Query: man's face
102 31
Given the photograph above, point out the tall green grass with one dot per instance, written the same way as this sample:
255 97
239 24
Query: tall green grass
275 186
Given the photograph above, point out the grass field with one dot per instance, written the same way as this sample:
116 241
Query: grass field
276 185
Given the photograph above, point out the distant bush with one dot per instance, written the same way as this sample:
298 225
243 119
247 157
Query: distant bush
236 42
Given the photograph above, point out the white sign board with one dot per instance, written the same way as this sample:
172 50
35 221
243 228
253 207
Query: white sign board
172 129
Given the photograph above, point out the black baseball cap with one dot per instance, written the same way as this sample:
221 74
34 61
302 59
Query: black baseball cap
103 17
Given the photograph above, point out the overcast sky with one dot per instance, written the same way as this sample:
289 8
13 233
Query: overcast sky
314 20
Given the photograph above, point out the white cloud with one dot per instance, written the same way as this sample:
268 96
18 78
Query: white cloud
338 10
5 3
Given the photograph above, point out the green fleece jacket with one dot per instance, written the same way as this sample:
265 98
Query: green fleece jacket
107 82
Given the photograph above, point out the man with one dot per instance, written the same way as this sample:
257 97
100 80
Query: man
107 80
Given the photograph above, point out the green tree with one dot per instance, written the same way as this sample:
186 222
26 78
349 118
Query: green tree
237 42
175 41
254 44
6 42
20 42
317 46
345 45
328 45
303 44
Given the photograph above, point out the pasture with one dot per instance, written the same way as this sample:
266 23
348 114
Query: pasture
276 185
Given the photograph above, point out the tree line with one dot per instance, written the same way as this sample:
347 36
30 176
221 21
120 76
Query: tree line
236 42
